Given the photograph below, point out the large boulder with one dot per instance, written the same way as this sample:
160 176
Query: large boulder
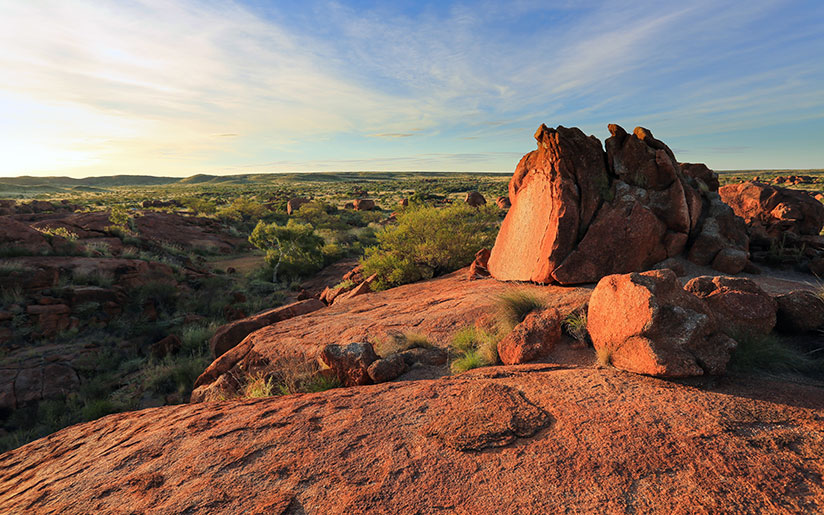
738 303
800 311
579 213
648 324
773 209
363 204
721 241
474 199
535 336
17 236
293 204
503 202
480 266
231 334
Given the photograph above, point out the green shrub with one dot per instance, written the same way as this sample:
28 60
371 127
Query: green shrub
428 242
474 348
62 232
292 249
575 325
243 210
514 305
259 385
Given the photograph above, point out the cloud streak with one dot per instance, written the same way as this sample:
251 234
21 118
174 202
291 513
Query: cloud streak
181 87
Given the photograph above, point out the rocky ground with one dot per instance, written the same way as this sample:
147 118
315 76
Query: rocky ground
528 439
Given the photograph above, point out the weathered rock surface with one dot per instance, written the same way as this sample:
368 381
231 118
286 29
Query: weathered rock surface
648 324
503 202
231 334
701 172
535 336
580 213
800 311
774 210
350 362
739 304
437 308
480 266
293 204
583 440
387 369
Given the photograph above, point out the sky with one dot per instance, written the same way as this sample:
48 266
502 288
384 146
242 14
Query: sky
180 87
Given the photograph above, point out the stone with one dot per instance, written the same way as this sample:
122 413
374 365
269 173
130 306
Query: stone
166 346
480 266
799 311
648 324
59 380
720 229
701 172
503 202
774 209
738 303
474 199
293 204
386 369
534 337
350 362
672 264
229 335
363 204
404 202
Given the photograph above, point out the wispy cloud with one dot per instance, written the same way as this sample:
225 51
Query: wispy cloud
181 86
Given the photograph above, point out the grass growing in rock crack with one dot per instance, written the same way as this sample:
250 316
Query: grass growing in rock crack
604 356
475 348
399 342
575 325
769 353
514 305
259 385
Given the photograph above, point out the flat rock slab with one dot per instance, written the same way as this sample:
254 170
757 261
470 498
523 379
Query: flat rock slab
617 443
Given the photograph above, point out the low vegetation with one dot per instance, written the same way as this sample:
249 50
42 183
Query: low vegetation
771 354
399 342
514 305
474 348
428 242
575 325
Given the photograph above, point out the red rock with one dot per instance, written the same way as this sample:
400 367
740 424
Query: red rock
640 160
799 311
404 202
293 204
503 202
534 337
355 275
166 346
363 204
774 209
16 235
231 334
28 385
480 266
650 325
721 229
350 362
386 369
701 172
474 199
555 192
59 380
580 438
360 289
231 313
739 304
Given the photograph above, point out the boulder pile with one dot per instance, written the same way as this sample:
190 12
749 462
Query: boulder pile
580 212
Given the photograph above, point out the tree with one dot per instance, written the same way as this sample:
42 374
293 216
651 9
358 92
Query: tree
293 249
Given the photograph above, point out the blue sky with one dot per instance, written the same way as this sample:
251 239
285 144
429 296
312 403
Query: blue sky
178 87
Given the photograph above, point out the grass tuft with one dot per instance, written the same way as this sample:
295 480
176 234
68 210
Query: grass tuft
515 305
475 348
769 353
575 325
604 356
399 342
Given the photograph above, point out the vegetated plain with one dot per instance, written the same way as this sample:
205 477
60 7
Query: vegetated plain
125 369
114 349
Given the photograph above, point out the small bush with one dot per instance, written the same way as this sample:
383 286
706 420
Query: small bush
769 353
62 232
475 348
259 385
293 249
13 295
428 242
575 325
320 383
515 305
399 342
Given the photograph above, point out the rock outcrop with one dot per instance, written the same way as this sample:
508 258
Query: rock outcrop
739 305
648 324
350 362
363 204
293 204
800 311
551 439
579 213
770 211
503 202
